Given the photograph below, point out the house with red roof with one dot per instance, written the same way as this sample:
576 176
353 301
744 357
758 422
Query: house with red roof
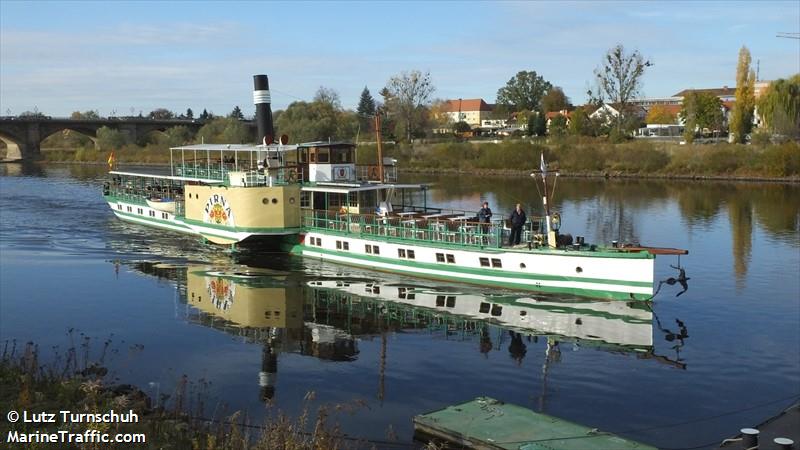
470 110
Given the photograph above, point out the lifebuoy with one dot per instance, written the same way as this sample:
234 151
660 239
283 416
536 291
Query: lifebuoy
341 172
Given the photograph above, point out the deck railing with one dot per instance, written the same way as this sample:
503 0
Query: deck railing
446 228
264 177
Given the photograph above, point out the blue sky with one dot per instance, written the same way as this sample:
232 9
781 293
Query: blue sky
120 57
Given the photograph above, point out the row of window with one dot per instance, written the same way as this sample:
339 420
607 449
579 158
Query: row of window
408 253
140 211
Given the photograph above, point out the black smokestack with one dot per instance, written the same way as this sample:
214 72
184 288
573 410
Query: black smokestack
261 99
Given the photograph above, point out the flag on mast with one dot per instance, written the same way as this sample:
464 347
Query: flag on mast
111 160
543 166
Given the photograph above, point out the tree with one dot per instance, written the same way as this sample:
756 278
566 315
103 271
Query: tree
659 114
461 127
538 127
555 100
742 114
366 104
328 96
110 139
161 114
85 115
205 115
580 123
619 81
701 110
524 91
224 130
189 113
236 113
779 107
558 126
407 96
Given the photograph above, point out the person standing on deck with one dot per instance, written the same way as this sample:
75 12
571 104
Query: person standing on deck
485 216
517 220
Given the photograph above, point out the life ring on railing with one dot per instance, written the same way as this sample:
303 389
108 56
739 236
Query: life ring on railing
292 176
373 173
555 221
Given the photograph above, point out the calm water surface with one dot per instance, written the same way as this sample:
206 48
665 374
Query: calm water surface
724 355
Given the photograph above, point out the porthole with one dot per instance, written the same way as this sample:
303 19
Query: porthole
521 265
578 269
265 200
274 201
291 200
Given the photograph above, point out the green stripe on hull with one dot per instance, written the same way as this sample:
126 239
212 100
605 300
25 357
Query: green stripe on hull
462 274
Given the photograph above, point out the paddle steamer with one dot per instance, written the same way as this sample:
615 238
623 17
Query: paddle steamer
312 199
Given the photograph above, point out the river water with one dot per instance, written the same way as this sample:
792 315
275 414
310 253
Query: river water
723 355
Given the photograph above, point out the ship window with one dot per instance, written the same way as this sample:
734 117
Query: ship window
401 292
313 156
401 252
496 262
484 262
119 207
274 201
139 211
484 308
323 156
265 200
440 300
410 254
411 296
130 209
305 200
164 216
368 248
497 310
451 259
346 245
440 257
376 289
451 301
376 250
338 245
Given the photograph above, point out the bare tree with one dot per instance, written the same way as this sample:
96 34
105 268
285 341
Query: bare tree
408 93
328 96
619 80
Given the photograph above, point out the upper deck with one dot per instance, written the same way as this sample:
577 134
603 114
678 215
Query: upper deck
276 164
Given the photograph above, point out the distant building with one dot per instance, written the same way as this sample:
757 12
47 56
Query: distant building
473 111
553 114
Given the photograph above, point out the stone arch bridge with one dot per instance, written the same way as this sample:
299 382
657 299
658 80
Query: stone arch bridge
23 135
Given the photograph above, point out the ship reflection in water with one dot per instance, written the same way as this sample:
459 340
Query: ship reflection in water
290 312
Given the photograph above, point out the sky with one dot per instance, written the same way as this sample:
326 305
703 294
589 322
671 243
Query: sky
122 58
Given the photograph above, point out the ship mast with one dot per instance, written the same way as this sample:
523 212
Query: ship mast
551 234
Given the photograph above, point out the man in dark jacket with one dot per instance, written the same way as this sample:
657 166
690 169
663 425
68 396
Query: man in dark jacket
485 214
517 220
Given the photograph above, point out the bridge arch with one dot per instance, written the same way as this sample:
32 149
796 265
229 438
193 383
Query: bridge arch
13 151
